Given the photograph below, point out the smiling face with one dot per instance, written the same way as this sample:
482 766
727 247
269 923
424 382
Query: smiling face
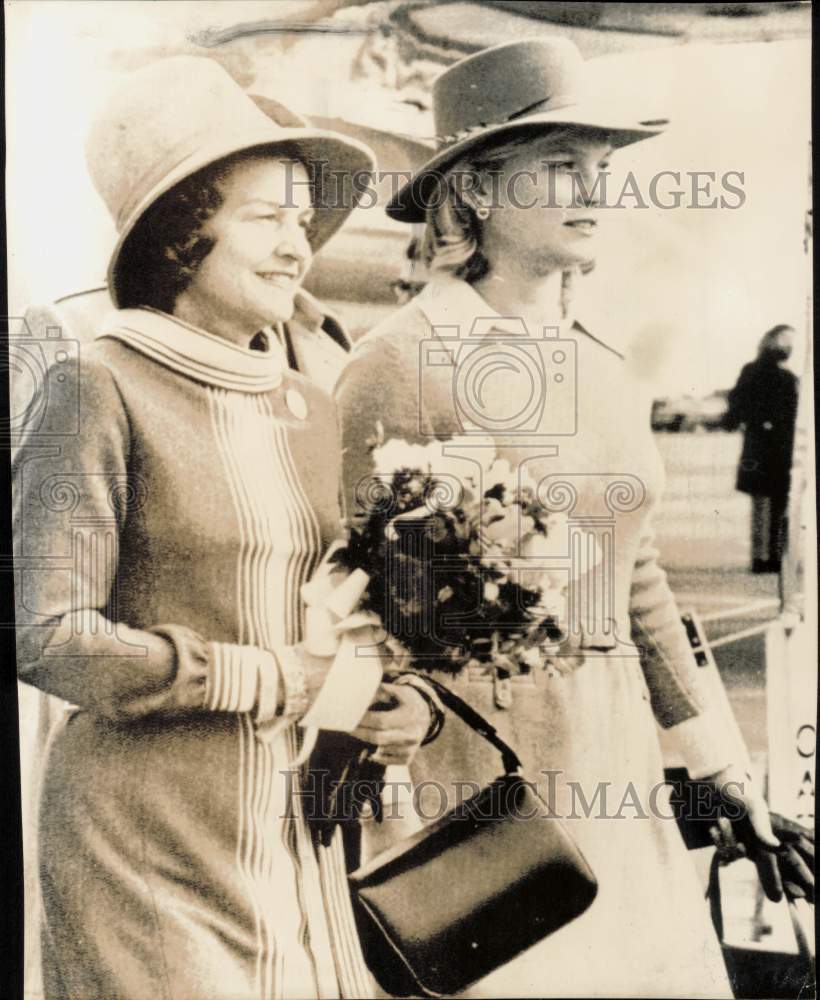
544 211
260 254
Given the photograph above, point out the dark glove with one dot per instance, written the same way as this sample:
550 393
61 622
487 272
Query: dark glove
787 867
743 806
741 826
753 843
342 785
795 859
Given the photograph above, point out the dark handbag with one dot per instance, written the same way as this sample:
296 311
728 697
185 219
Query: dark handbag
468 893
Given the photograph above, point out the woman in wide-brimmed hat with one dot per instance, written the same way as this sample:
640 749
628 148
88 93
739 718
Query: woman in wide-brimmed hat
191 493
511 206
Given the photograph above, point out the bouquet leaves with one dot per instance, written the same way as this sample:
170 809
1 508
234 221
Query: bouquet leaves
443 557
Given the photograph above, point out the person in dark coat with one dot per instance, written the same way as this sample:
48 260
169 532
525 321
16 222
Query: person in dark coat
764 402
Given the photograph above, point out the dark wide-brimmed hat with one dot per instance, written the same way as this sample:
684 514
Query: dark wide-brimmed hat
488 97
178 115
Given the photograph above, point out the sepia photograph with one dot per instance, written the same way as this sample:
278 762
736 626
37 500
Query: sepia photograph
413 546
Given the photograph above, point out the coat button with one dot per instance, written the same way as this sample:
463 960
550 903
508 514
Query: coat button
296 404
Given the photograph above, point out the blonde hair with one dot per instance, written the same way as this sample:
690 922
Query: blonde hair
452 237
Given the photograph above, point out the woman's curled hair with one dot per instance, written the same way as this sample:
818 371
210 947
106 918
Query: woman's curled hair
168 244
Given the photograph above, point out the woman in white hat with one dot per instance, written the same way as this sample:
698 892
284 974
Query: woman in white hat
162 541
511 203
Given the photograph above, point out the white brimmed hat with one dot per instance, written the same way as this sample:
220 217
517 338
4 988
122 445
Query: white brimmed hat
488 97
178 115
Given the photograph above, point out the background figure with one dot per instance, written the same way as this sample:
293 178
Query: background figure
764 401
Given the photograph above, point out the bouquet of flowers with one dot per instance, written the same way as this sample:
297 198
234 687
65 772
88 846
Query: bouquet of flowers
448 561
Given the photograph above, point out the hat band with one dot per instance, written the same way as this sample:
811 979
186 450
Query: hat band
547 104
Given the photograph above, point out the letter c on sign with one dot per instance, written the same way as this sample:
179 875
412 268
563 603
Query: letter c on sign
805 740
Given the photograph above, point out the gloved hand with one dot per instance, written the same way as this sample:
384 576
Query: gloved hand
784 857
395 724
343 784
795 859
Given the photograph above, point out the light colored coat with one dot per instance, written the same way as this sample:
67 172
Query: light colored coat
386 381
320 345
585 725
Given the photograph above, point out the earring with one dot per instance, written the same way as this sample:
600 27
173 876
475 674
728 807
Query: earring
482 212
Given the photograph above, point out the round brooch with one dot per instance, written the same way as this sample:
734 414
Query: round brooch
296 404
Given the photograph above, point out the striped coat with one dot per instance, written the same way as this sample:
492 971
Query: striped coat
170 502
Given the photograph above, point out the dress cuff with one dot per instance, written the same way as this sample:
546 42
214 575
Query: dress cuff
294 684
703 744
239 677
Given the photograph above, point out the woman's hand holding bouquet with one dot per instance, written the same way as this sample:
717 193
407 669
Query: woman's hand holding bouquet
398 717
341 664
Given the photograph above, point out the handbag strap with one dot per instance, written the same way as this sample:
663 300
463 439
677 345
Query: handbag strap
475 721
714 897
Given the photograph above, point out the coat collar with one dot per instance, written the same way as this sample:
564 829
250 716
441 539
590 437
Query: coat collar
449 301
309 313
319 341
317 335
196 353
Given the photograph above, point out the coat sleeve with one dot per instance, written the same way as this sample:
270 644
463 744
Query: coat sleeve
71 500
679 696
738 410
378 397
